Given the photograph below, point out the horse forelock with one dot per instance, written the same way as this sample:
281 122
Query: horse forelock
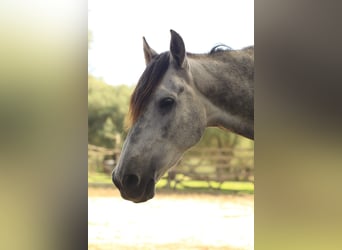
148 82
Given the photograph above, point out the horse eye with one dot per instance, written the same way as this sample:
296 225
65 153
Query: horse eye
166 103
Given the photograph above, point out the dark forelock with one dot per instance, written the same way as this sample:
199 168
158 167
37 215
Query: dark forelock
147 84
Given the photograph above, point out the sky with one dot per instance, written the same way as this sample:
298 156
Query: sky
117 26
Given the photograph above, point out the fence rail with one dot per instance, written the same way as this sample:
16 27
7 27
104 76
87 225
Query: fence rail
206 164
214 165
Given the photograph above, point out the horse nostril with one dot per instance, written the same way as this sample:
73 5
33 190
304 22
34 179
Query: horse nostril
130 180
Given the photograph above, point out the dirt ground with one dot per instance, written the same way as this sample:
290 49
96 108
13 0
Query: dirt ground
170 221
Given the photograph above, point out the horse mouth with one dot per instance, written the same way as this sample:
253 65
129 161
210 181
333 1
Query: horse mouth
141 192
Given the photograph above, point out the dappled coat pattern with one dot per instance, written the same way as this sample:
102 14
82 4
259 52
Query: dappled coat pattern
178 95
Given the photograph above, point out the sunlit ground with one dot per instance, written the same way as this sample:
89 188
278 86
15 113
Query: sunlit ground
170 221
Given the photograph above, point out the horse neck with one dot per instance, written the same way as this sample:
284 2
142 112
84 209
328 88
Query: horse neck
225 86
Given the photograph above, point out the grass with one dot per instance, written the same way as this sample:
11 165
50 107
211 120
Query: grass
99 178
229 187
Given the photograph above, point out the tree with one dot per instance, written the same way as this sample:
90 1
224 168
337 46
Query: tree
107 108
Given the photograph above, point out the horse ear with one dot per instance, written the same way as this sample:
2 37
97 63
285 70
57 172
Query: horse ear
148 52
177 49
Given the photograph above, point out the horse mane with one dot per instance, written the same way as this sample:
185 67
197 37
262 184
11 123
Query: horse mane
219 48
148 82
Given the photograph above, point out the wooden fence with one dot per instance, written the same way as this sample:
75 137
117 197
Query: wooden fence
214 165
207 164
102 159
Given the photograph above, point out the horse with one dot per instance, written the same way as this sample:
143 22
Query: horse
178 95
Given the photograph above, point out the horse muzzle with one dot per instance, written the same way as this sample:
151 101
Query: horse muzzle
134 188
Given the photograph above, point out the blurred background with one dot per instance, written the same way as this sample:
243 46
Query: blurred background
206 201
45 199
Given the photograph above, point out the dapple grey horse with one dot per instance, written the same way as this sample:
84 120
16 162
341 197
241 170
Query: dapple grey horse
178 95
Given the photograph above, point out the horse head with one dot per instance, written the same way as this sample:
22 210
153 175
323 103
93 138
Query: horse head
167 118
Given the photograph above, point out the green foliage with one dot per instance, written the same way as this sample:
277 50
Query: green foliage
219 138
107 108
